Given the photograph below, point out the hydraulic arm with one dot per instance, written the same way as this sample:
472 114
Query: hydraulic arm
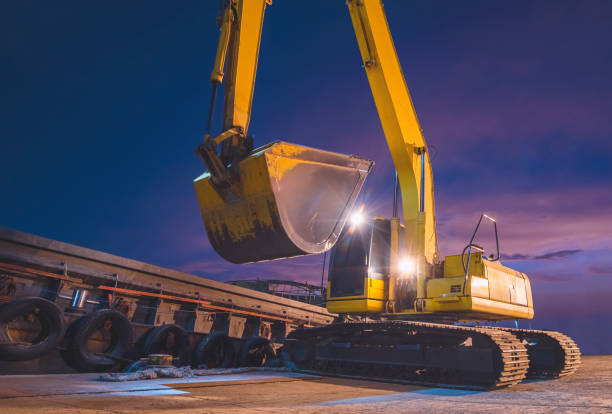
240 24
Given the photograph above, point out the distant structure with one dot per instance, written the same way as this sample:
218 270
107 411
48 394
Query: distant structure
303 292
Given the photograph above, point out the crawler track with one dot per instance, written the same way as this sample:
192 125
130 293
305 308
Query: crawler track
551 354
412 352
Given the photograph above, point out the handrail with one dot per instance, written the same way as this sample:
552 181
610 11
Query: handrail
471 245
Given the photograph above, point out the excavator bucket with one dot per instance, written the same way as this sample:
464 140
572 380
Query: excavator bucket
289 200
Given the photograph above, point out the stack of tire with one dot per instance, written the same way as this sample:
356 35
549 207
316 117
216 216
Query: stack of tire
52 328
216 350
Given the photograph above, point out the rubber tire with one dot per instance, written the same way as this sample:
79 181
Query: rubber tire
247 360
79 357
52 324
155 338
208 345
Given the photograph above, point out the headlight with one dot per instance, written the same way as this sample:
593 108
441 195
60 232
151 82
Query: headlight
406 266
357 219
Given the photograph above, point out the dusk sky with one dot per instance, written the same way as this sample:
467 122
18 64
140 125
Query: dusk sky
103 104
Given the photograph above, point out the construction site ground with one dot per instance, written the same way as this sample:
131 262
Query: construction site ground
589 390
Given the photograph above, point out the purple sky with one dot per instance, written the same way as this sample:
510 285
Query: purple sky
104 104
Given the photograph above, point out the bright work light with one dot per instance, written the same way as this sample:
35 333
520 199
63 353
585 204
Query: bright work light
357 219
406 266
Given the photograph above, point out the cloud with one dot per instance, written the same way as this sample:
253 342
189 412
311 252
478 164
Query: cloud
515 256
600 270
561 254
547 277
536 224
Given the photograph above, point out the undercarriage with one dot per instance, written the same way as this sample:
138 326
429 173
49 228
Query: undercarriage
551 354
433 353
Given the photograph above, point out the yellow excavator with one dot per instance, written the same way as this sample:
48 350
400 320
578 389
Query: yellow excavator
402 308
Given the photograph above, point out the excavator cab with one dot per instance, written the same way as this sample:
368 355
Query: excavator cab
359 268
286 200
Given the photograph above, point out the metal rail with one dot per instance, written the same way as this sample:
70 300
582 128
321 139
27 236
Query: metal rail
35 256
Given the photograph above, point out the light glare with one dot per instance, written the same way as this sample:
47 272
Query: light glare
357 219
406 266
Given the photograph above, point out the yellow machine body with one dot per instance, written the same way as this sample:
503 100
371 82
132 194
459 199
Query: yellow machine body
360 265
372 301
493 292
289 200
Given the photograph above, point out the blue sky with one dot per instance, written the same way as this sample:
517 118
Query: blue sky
104 103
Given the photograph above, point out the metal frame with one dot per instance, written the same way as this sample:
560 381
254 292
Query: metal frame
471 245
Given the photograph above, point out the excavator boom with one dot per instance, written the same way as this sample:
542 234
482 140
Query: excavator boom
400 125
